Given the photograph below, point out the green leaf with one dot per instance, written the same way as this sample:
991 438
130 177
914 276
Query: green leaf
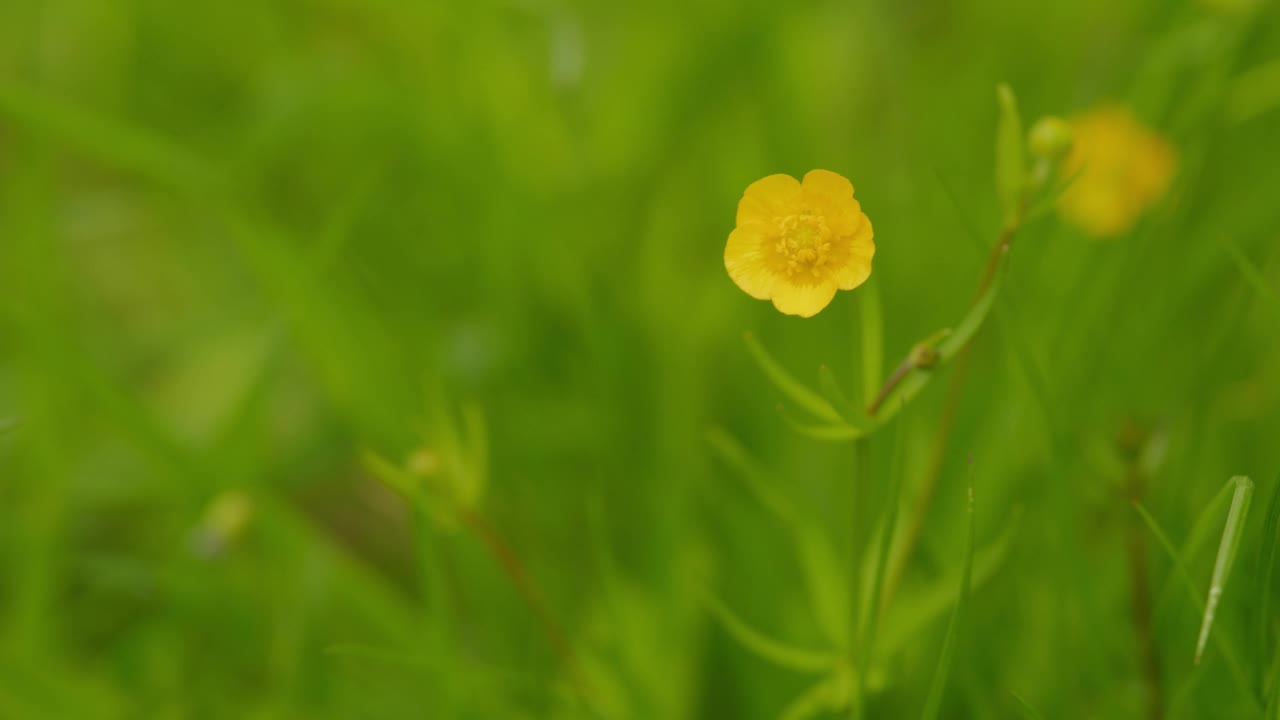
1228 548
828 592
117 145
767 648
823 697
1229 655
792 388
736 456
475 439
839 431
1011 161
392 475
933 703
1048 199
851 413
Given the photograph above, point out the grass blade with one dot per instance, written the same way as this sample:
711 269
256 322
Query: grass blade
933 703
1227 551
1229 655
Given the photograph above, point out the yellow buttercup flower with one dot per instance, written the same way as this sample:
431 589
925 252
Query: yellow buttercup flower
1123 168
796 244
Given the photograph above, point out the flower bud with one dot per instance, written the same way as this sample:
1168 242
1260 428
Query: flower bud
1050 138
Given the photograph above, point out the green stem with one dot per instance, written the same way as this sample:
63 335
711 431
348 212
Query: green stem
862 469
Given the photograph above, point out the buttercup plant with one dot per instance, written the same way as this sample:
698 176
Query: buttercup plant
797 243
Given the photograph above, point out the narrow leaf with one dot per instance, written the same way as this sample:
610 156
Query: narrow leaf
838 431
818 699
1229 654
849 412
736 457
828 592
1011 162
1227 551
792 388
767 648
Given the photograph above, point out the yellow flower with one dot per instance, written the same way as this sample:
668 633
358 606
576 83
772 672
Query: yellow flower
1124 168
796 244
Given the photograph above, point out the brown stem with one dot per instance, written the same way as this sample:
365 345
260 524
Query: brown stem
899 373
940 438
515 571
1140 587
910 361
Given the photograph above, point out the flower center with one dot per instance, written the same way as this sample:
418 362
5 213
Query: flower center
804 242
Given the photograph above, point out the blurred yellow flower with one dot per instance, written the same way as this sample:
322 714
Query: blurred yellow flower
1123 168
796 244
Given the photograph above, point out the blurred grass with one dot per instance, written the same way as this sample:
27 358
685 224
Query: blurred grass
243 243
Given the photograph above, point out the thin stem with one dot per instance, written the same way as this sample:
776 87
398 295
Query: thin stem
1140 587
515 571
862 468
943 434
900 372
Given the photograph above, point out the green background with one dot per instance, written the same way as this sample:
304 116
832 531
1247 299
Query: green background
244 244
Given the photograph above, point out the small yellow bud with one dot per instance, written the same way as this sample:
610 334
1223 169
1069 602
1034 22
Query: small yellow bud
1050 138
422 462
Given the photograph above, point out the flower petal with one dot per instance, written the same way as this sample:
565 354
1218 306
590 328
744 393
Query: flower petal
827 183
857 266
802 300
767 199
744 258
